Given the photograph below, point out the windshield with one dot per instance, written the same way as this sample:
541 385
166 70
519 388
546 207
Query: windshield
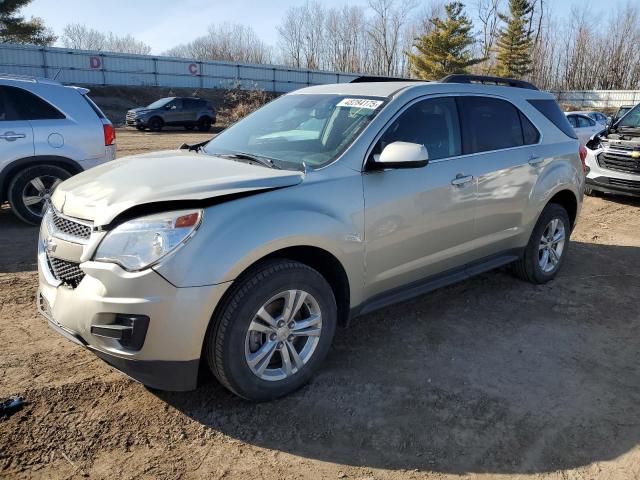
314 129
631 118
160 103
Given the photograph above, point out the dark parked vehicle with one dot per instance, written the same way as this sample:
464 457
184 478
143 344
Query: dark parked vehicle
622 111
188 112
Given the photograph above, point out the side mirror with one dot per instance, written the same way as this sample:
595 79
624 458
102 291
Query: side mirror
402 155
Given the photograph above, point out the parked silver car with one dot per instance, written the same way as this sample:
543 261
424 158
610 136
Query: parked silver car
329 202
48 132
584 126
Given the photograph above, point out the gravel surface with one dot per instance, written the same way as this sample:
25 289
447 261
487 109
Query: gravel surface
490 378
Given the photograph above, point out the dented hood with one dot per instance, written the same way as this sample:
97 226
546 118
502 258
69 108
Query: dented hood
103 192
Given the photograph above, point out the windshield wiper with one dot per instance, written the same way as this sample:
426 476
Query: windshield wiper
264 161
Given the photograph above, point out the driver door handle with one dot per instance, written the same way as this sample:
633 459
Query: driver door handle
11 136
461 180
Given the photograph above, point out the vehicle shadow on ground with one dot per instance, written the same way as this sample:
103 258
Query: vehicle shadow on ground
490 375
18 243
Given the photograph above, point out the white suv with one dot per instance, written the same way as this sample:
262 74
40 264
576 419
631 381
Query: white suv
48 132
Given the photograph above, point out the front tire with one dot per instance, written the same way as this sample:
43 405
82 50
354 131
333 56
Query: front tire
273 330
31 188
204 124
155 124
547 247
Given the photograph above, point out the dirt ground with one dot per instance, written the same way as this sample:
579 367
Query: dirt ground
490 378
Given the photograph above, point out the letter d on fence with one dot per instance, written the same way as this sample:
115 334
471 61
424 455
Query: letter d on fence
94 62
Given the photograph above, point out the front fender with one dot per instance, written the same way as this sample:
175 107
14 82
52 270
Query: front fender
236 234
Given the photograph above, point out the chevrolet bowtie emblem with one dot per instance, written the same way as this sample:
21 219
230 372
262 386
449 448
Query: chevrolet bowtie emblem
49 245
635 154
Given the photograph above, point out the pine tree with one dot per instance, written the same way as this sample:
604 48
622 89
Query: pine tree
445 50
514 42
17 29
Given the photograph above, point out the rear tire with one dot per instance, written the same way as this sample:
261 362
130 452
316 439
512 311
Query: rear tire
253 321
204 124
155 124
547 247
30 188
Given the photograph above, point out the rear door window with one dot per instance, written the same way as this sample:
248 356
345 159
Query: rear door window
585 122
490 124
433 123
29 106
550 109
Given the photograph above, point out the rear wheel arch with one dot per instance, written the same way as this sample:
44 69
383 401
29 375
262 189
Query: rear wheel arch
567 200
14 168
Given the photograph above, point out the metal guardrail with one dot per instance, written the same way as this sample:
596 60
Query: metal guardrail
105 68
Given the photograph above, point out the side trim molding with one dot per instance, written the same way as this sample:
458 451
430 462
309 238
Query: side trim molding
434 282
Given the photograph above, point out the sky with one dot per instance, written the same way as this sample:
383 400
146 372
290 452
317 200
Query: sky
163 24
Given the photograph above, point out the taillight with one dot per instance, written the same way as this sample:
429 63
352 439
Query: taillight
109 134
583 158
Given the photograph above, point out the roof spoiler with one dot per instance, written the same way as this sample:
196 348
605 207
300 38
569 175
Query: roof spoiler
486 80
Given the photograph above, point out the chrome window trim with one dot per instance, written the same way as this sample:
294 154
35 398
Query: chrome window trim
455 157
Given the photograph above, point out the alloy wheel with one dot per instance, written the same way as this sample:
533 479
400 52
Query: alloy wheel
283 335
37 192
551 245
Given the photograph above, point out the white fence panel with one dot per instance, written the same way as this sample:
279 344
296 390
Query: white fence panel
599 98
104 68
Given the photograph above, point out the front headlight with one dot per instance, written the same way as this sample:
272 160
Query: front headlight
139 243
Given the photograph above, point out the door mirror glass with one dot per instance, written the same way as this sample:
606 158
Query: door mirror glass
402 155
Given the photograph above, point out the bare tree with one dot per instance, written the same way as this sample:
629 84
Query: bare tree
487 13
79 36
227 41
389 17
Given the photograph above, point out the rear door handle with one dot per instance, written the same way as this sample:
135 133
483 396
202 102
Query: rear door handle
535 160
461 180
12 136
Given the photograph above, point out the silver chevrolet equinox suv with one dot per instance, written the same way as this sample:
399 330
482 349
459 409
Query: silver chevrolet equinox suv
48 132
244 253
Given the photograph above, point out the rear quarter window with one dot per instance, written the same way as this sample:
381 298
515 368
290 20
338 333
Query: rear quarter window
94 107
550 109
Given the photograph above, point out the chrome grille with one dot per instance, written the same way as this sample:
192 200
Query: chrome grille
69 227
67 272
619 159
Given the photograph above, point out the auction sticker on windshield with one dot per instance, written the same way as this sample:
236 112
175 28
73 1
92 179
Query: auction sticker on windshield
360 103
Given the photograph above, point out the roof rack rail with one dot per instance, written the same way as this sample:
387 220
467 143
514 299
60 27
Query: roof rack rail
376 78
486 80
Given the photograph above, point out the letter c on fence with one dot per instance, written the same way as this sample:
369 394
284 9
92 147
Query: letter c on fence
94 62
193 68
